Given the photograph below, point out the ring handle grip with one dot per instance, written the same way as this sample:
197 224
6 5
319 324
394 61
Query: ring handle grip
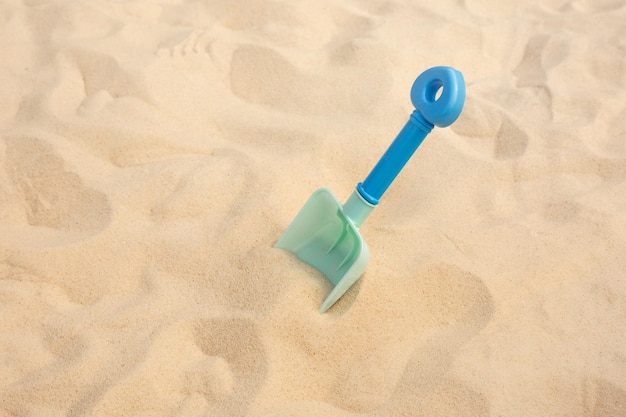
439 109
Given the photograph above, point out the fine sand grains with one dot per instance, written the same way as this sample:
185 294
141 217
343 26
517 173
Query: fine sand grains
152 153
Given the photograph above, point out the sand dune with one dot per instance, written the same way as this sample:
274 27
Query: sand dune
152 153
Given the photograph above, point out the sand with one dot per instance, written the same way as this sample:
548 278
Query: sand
152 153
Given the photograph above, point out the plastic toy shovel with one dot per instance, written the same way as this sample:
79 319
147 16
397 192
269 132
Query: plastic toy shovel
325 234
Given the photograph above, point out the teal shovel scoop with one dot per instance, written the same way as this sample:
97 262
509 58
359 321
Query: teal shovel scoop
325 234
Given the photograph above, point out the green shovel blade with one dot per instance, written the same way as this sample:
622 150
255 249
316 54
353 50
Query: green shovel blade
323 236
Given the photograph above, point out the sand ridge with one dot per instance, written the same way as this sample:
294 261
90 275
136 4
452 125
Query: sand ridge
151 154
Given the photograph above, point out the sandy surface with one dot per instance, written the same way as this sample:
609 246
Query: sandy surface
152 152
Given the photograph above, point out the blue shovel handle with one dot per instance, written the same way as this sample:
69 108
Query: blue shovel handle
430 110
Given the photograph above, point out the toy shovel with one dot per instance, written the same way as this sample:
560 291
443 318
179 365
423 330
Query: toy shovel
325 234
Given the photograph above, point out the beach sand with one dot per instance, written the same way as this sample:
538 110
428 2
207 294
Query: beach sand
153 152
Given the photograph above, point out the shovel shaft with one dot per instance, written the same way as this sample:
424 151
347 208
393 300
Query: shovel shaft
438 95
394 159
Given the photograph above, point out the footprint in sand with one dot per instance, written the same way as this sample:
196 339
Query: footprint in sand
488 132
393 353
103 78
236 344
489 128
543 52
344 71
212 366
217 367
264 76
448 308
602 398
53 197
23 293
55 349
